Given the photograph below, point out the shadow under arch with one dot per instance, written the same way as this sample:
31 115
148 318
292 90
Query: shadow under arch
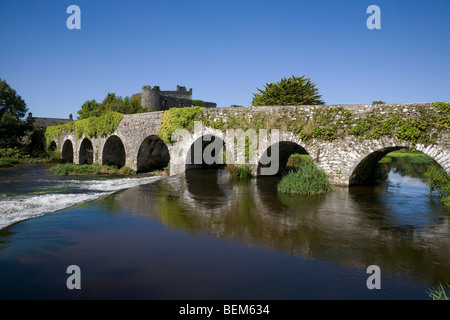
86 155
206 153
153 154
113 152
52 146
67 151
285 150
369 172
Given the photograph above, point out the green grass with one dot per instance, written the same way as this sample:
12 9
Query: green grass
297 160
306 180
439 293
408 156
9 162
67 169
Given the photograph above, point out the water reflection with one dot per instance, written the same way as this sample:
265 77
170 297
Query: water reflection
395 225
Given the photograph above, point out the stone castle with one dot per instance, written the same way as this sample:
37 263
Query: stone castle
154 99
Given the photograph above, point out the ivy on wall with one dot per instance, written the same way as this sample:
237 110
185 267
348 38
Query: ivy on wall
90 127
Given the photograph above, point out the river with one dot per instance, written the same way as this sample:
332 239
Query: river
201 236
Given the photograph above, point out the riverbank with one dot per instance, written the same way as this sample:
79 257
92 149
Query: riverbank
7 162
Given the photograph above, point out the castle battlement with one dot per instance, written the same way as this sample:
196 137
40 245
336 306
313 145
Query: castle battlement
156 100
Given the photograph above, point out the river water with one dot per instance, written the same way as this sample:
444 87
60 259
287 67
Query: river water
201 236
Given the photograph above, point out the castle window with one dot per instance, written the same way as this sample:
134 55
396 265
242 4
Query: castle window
164 102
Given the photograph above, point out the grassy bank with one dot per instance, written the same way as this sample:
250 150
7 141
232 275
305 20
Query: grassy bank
11 162
10 157
408 156
69 169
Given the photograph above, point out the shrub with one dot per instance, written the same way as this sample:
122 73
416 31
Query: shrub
307 180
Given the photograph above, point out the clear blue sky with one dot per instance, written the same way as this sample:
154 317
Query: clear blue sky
223 50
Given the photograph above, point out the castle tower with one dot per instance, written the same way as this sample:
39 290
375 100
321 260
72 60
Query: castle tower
150 98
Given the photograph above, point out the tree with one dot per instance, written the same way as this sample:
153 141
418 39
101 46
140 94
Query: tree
288 92
378 102
13 125
127 105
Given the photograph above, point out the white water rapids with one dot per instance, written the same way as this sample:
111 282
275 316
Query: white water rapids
15 208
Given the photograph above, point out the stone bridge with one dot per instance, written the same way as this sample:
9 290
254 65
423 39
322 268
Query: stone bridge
346 141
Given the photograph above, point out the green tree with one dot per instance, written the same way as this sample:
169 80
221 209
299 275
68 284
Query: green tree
288 92
13 124
114 103
198 103
378 102
127 105
135 104
90 109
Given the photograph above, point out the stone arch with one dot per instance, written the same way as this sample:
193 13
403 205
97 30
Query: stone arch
153 154
52 146
285 150
364 172
204 153
438 154
113 152
67 151
86 154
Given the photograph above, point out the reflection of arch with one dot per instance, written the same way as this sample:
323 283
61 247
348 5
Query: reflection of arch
153 154
286 149
205 153
204 185
113 152
67 151
366 172
52 146
86 152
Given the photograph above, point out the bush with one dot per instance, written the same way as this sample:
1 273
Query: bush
307 180
13 152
